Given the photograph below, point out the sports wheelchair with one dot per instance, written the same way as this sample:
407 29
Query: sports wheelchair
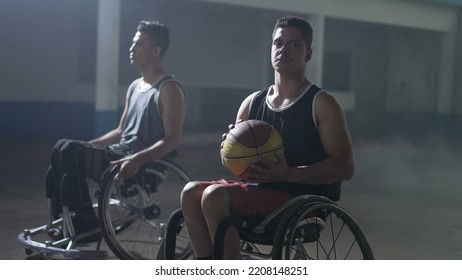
308 227
132 216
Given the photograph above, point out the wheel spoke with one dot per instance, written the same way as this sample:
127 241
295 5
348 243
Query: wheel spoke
132 210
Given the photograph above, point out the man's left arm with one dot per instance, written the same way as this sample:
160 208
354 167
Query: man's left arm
336 141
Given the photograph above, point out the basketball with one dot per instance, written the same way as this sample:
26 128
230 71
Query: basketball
248 141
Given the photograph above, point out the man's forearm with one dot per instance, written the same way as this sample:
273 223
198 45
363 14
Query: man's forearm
111 137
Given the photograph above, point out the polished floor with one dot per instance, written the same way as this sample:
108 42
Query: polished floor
406 198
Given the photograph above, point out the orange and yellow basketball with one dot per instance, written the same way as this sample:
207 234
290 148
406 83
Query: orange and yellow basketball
248 141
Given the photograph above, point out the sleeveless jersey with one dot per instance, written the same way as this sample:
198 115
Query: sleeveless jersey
302 143
144 125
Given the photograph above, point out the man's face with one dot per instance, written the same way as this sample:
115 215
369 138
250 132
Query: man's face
288 51
141 51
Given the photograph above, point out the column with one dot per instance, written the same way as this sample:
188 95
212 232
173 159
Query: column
446 75
107 66
315 66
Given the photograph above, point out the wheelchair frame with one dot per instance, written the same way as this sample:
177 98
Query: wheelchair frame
285 232
108 193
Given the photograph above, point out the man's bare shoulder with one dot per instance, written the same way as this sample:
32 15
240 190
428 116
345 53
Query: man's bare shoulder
324 98
328 107
171 86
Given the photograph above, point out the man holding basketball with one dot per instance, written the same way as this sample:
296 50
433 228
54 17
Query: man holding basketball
150 127
318 150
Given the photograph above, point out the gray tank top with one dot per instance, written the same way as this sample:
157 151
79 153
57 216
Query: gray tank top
144 125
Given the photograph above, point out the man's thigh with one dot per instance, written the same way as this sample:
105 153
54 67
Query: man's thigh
254 201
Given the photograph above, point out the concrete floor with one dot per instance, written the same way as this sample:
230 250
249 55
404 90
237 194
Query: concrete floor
405 198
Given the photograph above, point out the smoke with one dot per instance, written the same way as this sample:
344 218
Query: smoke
428 169
406 197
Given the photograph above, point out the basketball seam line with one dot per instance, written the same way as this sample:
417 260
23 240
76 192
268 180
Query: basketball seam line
258 154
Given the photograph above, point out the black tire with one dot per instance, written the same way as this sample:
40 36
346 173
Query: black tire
320 231
133 213
176 245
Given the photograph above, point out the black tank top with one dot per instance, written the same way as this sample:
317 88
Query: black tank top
302 143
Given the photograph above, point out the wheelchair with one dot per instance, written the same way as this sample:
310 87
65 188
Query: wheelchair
132 216
308 227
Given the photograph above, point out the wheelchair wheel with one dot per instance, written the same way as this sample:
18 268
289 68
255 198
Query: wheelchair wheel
320 231
176 245
134 212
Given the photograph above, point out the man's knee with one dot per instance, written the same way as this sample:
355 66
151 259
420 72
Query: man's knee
60 143
216 199
63 145
68 155
192 193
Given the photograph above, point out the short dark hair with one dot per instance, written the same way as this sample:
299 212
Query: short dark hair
299 23
157 31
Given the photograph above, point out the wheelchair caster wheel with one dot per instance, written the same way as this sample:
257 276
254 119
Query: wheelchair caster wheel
55 234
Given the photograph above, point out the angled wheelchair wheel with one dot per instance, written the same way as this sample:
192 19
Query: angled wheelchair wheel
134 212
176 245
320 231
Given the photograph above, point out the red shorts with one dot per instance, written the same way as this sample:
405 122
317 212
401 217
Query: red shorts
251 200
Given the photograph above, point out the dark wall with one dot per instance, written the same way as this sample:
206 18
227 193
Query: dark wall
48 59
